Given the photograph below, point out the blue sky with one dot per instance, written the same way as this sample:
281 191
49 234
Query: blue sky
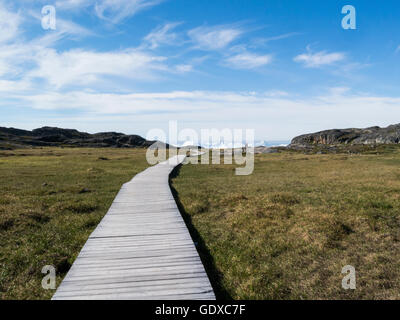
282 68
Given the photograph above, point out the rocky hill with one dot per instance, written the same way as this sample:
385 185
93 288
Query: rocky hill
370 136
50 136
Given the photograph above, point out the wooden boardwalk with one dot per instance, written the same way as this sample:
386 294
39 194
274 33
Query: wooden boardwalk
141 249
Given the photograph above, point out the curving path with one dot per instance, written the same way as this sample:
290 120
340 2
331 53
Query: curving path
141 249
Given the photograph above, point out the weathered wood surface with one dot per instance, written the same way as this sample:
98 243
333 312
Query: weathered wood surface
141 249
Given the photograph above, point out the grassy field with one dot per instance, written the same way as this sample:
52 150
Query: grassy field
50 201
286 231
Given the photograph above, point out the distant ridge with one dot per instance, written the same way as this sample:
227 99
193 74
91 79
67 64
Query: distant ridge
372 135
11 138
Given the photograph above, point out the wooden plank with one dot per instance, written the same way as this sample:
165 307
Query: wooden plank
141 249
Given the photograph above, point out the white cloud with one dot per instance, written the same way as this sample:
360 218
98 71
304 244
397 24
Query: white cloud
117 10
263 41
12 59
111 10
13 53
9 24
318 59
276 93
65 27
273 114
279 116
214 38
183 68
65 30
18 58
398 49
80 67
162 36
71 4
10 86
248 60
36 58
36 61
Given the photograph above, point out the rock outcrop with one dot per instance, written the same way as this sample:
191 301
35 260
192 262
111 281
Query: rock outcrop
373 135
50 136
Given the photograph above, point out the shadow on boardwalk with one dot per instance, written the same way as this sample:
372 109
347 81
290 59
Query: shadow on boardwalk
206 258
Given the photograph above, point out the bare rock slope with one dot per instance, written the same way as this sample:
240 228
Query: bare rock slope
50 136
373 135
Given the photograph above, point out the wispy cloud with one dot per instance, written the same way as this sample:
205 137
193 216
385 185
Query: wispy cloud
80 67
69 28
65 30
248 60
117 10
214 38
13 87
37 61
263 41
183 68
12 58
72 4
111 10
162 35
319 59
9 24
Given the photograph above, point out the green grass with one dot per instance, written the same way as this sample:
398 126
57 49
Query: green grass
286 231
51 199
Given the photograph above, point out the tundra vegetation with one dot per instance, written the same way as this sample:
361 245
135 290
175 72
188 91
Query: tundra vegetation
287 230
284 232
51 199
